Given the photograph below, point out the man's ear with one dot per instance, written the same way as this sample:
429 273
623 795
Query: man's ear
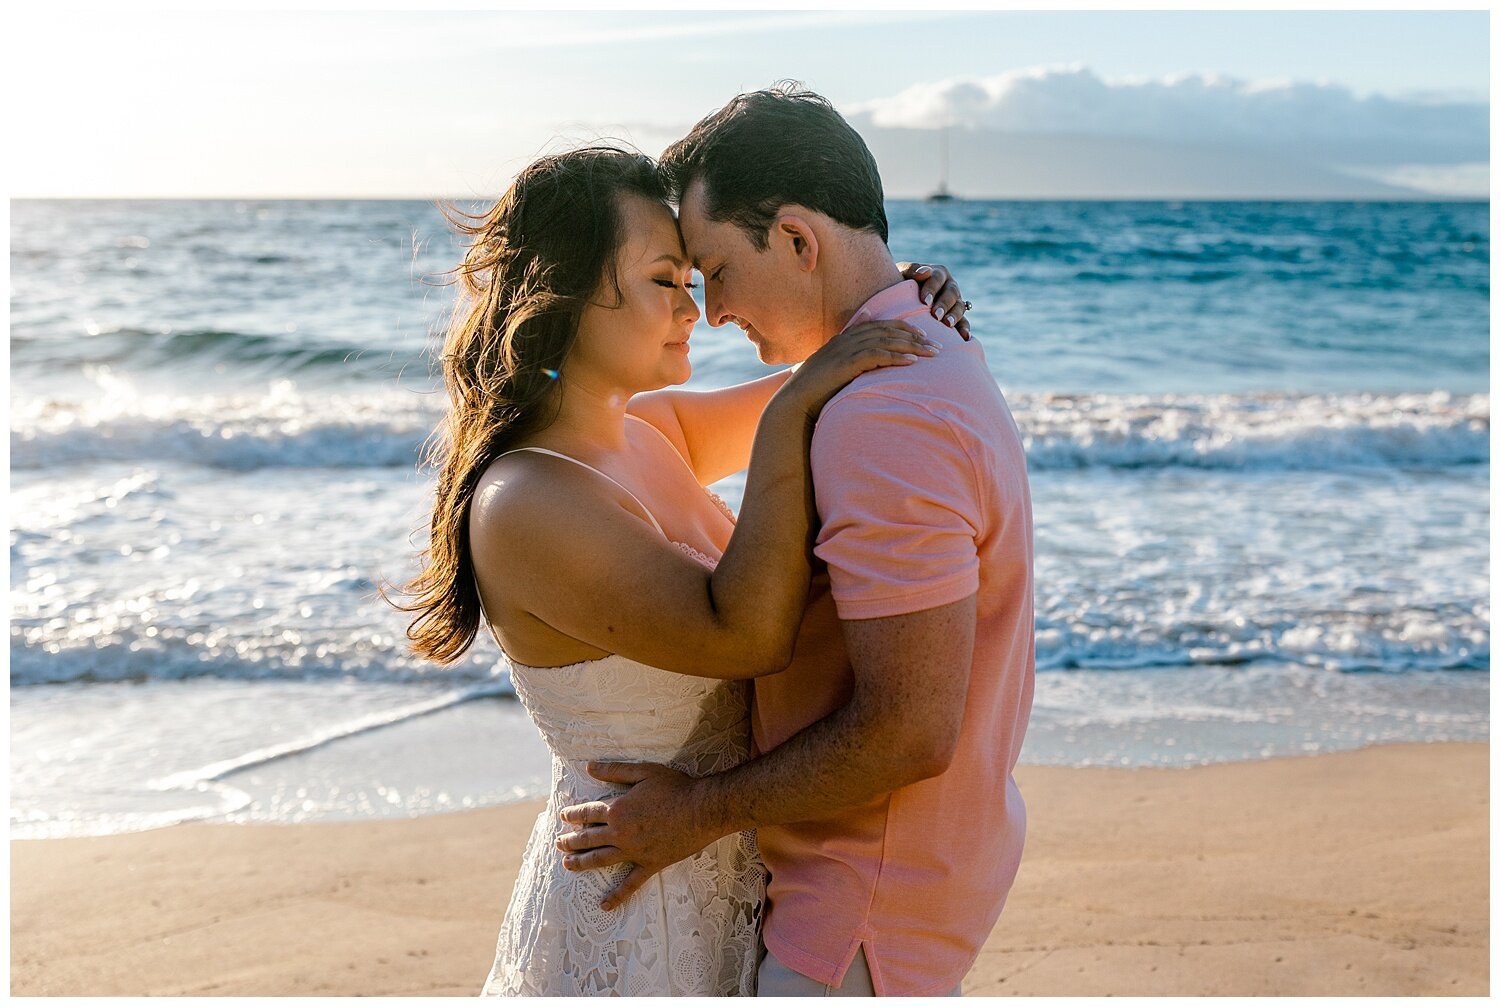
796 233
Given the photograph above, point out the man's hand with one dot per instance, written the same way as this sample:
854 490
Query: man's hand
651 826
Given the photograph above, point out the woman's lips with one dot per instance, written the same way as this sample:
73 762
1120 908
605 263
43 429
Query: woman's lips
680 347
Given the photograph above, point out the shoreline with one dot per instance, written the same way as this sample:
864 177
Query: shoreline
1358 872
96 756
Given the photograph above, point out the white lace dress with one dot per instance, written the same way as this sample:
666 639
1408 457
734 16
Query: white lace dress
694 929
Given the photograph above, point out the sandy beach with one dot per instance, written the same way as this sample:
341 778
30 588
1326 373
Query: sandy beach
1356 873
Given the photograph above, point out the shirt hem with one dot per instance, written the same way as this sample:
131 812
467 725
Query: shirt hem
819 969
944 592
815 967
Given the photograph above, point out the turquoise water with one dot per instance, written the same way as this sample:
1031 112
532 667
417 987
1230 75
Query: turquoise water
1258 436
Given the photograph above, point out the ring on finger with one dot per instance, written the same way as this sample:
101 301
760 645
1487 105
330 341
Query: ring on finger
968 305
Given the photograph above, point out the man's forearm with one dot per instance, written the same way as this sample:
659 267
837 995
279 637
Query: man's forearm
837 763
902 724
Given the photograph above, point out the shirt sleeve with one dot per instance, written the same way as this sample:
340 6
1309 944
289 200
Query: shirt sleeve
898 500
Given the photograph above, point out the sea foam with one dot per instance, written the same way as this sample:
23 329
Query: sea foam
289 427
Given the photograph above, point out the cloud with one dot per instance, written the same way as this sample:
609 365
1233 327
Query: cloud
1318 121
638 27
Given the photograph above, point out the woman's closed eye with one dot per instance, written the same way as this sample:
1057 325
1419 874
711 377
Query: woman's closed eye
674 283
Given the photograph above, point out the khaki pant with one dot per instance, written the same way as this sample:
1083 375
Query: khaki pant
776 980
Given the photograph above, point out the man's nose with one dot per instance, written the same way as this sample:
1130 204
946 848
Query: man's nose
713 305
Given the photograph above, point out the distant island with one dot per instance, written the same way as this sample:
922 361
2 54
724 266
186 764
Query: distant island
992 165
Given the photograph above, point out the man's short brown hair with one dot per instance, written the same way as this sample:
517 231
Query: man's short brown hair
769 148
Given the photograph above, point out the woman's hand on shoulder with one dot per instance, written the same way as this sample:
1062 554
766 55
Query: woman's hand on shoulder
940 292
881 342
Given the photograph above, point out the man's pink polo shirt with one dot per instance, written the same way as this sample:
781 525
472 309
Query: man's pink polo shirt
921 488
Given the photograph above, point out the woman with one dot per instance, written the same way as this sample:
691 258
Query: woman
571 518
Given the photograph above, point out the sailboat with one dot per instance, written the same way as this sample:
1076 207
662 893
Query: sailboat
941 193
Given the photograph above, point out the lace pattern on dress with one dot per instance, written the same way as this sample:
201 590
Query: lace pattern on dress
703 558
719 502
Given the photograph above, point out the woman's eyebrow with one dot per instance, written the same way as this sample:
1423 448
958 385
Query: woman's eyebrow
673 259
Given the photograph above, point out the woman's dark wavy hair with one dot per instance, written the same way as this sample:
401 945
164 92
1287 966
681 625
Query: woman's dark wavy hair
768 148
534 261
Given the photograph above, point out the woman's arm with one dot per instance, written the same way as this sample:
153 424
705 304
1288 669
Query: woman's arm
571 553
714 429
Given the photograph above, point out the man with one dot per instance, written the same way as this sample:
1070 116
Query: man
883 795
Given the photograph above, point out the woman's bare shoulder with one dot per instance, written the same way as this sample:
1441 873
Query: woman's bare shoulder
532 505
519 488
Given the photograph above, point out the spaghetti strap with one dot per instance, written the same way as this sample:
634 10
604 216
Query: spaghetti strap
664 439
575 461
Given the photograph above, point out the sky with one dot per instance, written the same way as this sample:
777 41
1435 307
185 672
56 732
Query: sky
422 104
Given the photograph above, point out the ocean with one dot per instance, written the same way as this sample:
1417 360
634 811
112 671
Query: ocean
1257 433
